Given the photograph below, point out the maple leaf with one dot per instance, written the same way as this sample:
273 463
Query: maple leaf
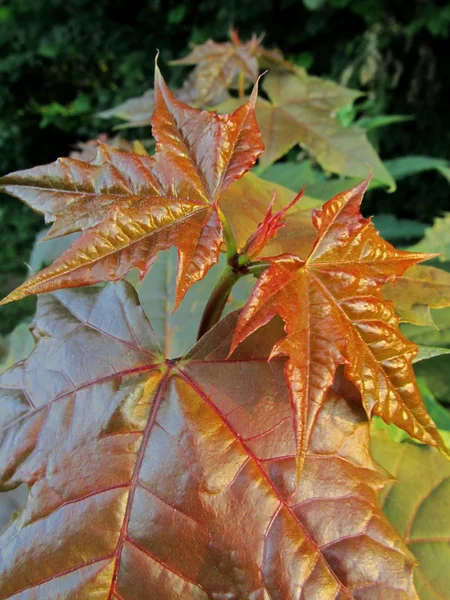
334 314
302 110
418 290
437 238
218 66
133 206
95 420
416 503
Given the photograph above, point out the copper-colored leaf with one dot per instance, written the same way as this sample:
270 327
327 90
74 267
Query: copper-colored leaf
334 314
302 111
418 290
133 206
153 479
218 66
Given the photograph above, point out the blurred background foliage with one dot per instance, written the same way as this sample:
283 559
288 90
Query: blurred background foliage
61 62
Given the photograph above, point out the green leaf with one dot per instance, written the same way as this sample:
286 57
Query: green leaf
368 123
410 165
439 414
426 352
417 503
438 336
437 239
435 374
20 344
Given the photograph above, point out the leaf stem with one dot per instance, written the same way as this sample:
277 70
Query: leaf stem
229 238
218 299
238 265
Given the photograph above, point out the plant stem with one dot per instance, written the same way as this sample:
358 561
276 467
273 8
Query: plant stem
229 238
217 300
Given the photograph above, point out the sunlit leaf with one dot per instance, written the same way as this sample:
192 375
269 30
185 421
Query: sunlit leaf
334 315
133 206
155 479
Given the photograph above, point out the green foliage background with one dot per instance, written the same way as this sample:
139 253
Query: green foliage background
63 61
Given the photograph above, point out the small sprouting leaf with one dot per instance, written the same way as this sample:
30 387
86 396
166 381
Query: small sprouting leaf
161 479
416 502
245 205
132 206
334 314
268 228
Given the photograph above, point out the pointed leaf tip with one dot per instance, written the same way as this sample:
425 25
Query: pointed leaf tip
269 227
334 314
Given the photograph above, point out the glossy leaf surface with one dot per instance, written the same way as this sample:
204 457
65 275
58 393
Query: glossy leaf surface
334 314
417 504
134 206
95 430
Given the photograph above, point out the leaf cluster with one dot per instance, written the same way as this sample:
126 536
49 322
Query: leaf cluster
264 424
